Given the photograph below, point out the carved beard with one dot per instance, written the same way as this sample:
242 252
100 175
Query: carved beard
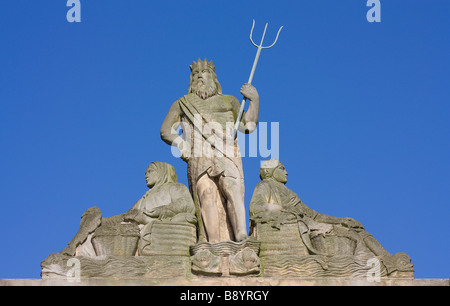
204 88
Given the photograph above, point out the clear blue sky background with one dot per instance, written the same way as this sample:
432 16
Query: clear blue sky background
363 110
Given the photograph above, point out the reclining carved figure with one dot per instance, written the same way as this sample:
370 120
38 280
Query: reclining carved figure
166 200
275 204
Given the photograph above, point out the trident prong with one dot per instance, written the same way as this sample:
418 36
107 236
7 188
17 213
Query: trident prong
250 79
260 46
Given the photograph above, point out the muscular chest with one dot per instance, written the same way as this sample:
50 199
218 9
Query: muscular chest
215 109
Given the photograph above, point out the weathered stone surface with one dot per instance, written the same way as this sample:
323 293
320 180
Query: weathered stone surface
206 263
176 232
58 266
286 241
226 258
152 239
119 240
208 145
298 241
244 262
171 239
227 281
226 248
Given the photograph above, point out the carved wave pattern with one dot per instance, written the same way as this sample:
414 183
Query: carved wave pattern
111 265
225 248
318 266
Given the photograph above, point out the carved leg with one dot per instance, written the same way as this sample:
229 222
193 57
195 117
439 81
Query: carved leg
145 238
232 190
208 196
374 245
90 221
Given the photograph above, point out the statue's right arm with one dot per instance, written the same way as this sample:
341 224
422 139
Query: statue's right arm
170 124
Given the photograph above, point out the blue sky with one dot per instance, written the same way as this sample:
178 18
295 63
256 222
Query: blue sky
363 111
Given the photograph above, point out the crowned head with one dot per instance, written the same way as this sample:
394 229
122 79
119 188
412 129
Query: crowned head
203 80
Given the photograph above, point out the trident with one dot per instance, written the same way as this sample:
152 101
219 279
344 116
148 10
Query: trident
250 79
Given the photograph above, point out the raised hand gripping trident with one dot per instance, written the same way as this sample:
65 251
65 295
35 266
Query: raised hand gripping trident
250 79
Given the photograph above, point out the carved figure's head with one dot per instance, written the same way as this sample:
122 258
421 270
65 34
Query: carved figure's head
158 173
203 80
274 169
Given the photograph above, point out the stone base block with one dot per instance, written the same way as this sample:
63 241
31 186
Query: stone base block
227 281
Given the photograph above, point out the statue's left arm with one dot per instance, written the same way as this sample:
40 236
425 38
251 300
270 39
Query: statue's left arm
347 222
250 118
296 205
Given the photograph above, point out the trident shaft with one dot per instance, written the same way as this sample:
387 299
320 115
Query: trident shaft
250 79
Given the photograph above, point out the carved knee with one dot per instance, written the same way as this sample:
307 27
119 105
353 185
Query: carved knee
206 192
206 188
